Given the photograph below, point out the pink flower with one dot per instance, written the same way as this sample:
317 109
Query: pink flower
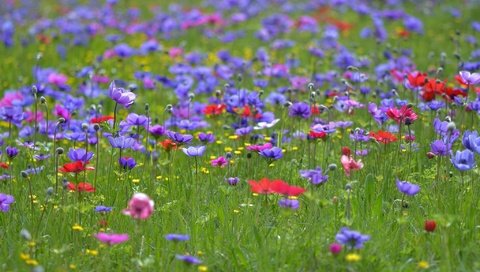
220 162
335 248
111 238
350 164
259 148
57 79
175 52
139 207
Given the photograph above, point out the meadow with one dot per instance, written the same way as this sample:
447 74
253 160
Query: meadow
239 135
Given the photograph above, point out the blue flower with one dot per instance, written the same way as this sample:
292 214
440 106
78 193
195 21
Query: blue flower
463 160
407 188
351 238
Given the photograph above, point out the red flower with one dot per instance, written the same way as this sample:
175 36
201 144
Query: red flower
430 225
214 109
317 135
81 187
283 188
168 145
402 115
261 187
417 79
433 87
101 119
75 167
346 151
383 137
3 165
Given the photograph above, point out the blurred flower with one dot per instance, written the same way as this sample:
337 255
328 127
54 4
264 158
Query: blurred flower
81 187
194 151
79 154
274 153
335 248
139 207
463 160
350 164
127 163
232 180
219 162
12 152
299 109
404 115
289 203
469 78
206 137
179 138
5 202
112 238
103 209
188 259
351 239
430 225
121 96
74 167
407 188
177 237
314 176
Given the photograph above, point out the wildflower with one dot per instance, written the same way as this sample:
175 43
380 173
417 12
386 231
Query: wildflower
350 238
469 78
12 152
335 248
79 154
177 237
263 125
77 227
314 176
214 109
423 265
111 238
232 180
121 142
121 96
81 187
440 148
299 109
353 257
430 225
274 153
219 162
350 164
289 203
75 167
463 160
206 137
281 187
179 138
127 163
139 207
188 259
194 151
383 137
259 148
5 202
261 187
407 188
103 209
168 145
402 115
157 130
91 252
471 141
100 119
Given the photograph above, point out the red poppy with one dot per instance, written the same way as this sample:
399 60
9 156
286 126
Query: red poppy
263 186
283 188
101 119
450 93
3 165
214 109
402 115
417 79
430 225
81 187
317 135
383 137
75 167
431 88
168 145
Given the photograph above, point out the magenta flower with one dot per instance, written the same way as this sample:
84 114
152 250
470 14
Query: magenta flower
121 96
139 207
219 162
111 238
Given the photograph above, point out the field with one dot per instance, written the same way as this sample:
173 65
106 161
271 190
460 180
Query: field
239 135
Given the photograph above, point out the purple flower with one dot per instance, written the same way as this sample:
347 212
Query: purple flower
359 135
127 163
471 141
177 237
407 188
463 160
121 96
121 142
314 176
206 137
188 259
299 109
79 154
289 203
439 148
273 153
232 180
219 162
137 120
179 138
157 130
243 131
194 151
470 78
351 238
12 152
5 201
111 238
103 209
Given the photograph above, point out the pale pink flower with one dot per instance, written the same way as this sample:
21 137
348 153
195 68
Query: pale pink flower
350 164
139 207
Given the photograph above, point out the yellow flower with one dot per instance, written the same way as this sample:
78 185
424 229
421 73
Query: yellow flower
72 266
219 142
31 244
24 256
91 252
237 152
352 257
77 227
233 137
136 181
31 262
202 268
423 265
204 170
228 149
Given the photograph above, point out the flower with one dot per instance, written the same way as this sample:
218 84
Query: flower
206 137
81 187
75 167
127 163
188 259
263 186
79 154
273 153
299 109
219 162
103 209
463 160
111 238
335 248
179 138
262 125
471 141
194 151
469 78
157 130
403 115
352 257
423 265
232 180
139 207
350 164
100 119
121 142
350 238
430 225
289 203
12 152
121 96
177 237
314 176
283 188
5 202
440 148
383 137
259 148
407 188
168 145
